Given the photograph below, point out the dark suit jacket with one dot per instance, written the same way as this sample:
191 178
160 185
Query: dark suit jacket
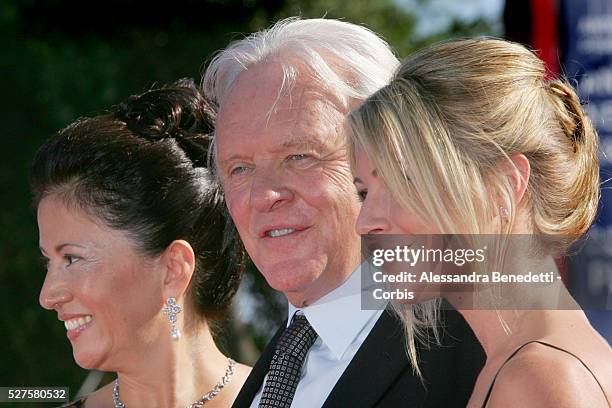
380 374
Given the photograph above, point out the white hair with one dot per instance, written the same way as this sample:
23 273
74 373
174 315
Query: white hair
349 60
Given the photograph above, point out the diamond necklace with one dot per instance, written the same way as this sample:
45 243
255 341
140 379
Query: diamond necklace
199 403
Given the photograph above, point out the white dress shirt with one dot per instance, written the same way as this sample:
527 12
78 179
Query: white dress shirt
342 327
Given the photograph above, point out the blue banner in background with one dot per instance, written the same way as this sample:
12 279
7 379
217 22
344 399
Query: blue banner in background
586 48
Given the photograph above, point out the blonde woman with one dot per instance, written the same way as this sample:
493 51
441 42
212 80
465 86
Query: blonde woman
471 137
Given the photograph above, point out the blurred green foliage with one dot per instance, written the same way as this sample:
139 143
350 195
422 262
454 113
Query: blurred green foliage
66 59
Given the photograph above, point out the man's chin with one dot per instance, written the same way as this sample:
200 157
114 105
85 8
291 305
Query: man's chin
293 285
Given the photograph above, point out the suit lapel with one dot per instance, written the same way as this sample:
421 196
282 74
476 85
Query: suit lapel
378 363
255 379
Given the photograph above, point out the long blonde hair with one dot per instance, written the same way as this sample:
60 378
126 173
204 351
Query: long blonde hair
454 111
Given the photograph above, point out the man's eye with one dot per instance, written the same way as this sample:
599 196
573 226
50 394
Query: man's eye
362 194
237 170
301 160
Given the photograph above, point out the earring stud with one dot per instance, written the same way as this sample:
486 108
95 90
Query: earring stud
171 309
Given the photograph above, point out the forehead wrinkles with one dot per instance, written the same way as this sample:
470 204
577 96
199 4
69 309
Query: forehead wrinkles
315 116
306 114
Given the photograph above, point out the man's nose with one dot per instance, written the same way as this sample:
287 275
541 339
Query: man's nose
269 189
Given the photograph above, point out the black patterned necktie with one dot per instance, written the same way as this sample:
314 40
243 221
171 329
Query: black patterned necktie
286 366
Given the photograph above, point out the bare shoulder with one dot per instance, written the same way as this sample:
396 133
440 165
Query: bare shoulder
541 376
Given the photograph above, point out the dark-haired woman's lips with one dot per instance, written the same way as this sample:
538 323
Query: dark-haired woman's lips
76 325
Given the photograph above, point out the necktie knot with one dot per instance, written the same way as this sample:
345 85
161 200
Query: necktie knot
297 339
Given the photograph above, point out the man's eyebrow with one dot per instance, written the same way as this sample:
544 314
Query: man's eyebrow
302 143
290 143
231 158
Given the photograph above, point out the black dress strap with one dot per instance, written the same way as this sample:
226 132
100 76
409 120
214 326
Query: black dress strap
484 404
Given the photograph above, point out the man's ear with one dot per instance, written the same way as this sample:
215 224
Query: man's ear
179 261
518 171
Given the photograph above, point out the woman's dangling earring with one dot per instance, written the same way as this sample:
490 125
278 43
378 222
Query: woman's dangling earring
171 310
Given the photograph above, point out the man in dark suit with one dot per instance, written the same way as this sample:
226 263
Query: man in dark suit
281 157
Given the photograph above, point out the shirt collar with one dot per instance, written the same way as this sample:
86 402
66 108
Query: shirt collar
337 317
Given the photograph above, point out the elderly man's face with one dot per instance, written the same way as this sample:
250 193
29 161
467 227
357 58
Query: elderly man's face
288 184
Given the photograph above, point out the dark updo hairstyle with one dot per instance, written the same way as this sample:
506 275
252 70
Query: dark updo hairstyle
142 169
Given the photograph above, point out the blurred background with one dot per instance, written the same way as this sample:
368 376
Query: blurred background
65 59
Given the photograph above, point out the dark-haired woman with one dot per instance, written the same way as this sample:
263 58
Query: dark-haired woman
132 226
